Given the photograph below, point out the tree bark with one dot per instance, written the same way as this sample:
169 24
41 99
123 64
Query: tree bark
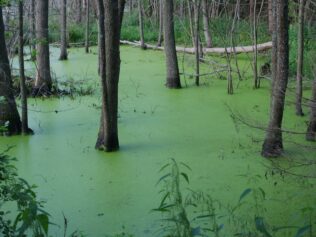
25 127
255 42
197 4
160 37
251 9
190 9
43 82
173 77
110 16
87 43
300 60
270 16
79 12
273 144
63 45
311 129
32 28
206 26
9 115
141 24
122 4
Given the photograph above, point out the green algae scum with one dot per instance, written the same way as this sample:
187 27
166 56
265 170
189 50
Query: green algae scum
218 136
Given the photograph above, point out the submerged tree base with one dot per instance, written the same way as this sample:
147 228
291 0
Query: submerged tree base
173 83
63 57
272 148
41 91
311 132
111 145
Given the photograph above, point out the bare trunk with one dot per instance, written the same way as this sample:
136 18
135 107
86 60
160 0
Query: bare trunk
9 115
141 24
255 42
206 29
190 9
79 11
273 144
87 43
173 77
32 27
43 83
311 130
130 6
121 11
251 9
160 38
110 16
197 4
270 16
63 45
300 59
25 127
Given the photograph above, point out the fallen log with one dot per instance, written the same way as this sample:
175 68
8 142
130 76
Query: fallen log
238 49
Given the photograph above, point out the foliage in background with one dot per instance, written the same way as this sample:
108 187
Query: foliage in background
130 30
309 51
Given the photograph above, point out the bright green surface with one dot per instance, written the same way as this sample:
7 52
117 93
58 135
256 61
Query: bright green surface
99 192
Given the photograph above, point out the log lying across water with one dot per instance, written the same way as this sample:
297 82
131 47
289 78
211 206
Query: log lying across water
238 49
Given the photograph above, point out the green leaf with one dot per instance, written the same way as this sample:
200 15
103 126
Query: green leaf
185 176
185 165
303 230
204 216
164 208
276 229
44 222
164 199
260 226
163 167
245 193
263 193
163 177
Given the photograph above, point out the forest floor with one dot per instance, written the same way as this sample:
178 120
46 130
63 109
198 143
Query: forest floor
101 193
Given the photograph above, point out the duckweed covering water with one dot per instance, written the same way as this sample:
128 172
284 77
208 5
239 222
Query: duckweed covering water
103 193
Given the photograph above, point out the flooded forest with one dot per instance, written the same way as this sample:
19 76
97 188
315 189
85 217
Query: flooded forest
157 118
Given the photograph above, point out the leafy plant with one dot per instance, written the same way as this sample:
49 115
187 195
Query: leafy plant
172 201
30 218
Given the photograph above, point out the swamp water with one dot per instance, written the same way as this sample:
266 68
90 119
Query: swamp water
103 193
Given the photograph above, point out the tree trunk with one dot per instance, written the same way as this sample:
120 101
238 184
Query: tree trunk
173 77
160 37
270 16
32 28
300 59
122 4
273 144
43 82
25 127
9 115
255 42
141 24
63 45
311 130
190 9
130 4
197 4
206 26
79 12
251 9
110 16
87 43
